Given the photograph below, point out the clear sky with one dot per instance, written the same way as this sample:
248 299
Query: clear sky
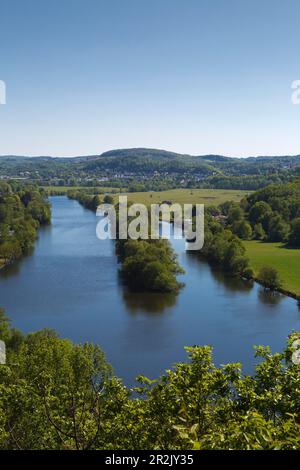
192 76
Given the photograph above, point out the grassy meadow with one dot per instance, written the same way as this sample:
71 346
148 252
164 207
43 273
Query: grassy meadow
285 260
210 197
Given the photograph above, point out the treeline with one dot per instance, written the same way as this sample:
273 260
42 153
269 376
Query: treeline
246 182
277 210
87 200
64 190
153 170
223 248
55 394
22 210
271 214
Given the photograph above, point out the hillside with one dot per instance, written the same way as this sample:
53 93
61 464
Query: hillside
153 169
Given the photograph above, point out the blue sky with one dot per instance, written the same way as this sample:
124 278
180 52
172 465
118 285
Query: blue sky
193 76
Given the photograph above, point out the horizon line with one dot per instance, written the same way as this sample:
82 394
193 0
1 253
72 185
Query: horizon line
149 148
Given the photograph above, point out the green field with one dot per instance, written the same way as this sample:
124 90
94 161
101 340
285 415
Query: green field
210 197
285 260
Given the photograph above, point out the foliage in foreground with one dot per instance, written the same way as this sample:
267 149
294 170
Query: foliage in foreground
58 395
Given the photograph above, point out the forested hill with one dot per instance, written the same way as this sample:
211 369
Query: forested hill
155 169
159 154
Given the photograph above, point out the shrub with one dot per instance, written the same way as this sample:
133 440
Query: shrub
269 277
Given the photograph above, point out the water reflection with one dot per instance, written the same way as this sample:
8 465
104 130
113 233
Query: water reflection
13 269
8 271
268 297
231 283
149 303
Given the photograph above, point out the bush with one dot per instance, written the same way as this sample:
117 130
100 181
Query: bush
269 277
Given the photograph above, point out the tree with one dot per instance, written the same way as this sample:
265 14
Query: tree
294 238
235 260
258 232
278 229
10 251
59 395
235 213
269 277
258 211
97 200
108 199
242 229
55 399
40 211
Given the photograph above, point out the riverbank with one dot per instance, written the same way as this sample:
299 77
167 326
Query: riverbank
285 260
23 211
70 284
146 265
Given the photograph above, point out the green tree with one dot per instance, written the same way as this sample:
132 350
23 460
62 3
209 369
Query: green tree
258 232
54 399
242 229
269 277
108 199
258 211
58 395
235 213
10 251
294 238
278 229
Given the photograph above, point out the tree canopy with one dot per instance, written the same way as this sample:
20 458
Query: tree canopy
22 210
55 394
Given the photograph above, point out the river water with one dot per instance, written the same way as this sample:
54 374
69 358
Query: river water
70 283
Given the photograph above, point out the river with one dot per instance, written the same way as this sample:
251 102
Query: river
70 283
